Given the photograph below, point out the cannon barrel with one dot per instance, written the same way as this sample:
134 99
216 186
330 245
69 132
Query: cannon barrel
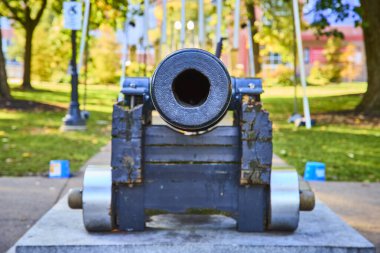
191 89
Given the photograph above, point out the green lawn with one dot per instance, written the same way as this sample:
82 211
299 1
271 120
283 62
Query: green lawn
30 139
350 152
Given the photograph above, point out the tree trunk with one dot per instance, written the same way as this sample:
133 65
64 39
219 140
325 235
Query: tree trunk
26 84
5 92
370 103
250 6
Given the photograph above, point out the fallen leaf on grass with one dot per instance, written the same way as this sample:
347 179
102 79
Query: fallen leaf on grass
26 154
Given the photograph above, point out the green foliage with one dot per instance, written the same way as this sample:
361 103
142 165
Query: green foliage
30 139
51 46
331 70
33 137
282 75
16 49
51 55
138 69
348 150
351 69
317 75
275 30
210 22
333 54
174 14
324 10
26 12
4 87
105 57
51 51
111 12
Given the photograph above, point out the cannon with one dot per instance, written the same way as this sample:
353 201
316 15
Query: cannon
191 164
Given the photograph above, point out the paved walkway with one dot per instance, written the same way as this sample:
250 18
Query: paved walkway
356 203
24 200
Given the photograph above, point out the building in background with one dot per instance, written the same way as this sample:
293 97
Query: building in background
313 49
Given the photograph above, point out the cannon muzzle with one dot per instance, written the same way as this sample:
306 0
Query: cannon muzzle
191 89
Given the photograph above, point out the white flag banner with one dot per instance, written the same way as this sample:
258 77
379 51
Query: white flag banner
72 12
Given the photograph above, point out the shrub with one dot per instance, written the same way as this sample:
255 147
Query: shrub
333 67
282 75
317 75
332 70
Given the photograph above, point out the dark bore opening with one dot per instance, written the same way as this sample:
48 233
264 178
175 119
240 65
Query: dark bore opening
191 88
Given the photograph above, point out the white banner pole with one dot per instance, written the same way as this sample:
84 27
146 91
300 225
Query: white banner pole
183 23
250 51
124 49
146 25
218 36
201 24
164 17
84 34
124 52
236 24
297 25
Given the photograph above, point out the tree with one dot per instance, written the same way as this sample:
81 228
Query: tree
27 14
55 47
106 60
331 71
276 29
5 92
333 55
367 15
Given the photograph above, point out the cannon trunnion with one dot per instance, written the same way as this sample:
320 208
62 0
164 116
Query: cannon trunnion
191 165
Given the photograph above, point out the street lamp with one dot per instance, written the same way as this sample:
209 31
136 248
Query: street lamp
74 120
190 25
177 25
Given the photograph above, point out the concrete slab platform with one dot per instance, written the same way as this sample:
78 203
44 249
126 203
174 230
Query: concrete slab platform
61 230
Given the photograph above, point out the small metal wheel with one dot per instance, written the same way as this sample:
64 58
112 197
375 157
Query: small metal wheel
97 198
284 200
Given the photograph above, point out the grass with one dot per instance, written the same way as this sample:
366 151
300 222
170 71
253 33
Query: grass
30 139
350 152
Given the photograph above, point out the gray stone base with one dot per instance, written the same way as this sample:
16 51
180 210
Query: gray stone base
65 128
61 230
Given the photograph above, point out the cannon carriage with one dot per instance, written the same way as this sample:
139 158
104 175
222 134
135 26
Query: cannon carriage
191 164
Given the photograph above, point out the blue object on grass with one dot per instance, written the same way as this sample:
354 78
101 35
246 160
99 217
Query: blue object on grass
59 169
315 171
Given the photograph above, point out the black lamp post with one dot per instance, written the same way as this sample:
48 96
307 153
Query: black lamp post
73 119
